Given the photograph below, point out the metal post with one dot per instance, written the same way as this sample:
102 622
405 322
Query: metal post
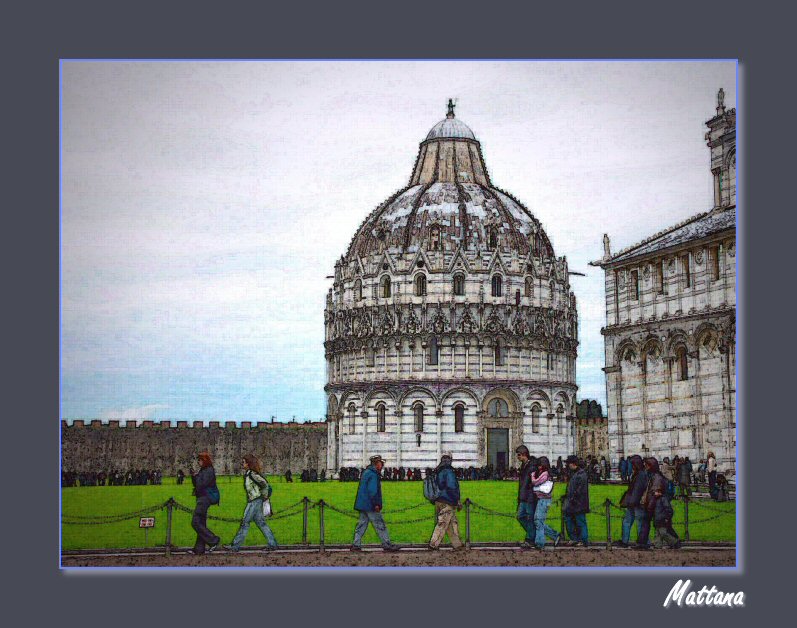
562 515
467 523
306 501
686 517
321 525
608 505
169 507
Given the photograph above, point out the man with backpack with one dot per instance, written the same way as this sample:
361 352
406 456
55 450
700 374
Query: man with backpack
369 503
527 501
442 488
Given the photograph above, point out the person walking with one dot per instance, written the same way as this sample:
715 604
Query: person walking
576 504
207 493
685 477
662 522
656 483
542 484
631 501
258 491
711 468
446 506
526 498
369 503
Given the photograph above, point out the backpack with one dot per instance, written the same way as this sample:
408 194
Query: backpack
430 489
213 494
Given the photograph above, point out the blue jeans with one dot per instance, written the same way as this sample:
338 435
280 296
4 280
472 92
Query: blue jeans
376 519
631 515
577 521
525 515
254 510
542 529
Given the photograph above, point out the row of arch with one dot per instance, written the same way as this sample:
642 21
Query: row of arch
458 285
704 342
497 402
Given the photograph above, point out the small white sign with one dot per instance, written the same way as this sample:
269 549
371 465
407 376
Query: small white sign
146 522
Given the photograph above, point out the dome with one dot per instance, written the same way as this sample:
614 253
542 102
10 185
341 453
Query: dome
451 127
450 199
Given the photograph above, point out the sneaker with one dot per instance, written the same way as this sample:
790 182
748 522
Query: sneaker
195 553
620 544
213 547
391 548
271 548
582 544
433 548
230 548
557 541
355 548
525 545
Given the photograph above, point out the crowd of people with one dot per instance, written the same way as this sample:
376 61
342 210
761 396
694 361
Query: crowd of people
131 477
681 475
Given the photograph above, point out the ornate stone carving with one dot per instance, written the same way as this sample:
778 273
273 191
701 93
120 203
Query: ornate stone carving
699 257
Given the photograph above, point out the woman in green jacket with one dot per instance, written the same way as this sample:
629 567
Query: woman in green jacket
257 490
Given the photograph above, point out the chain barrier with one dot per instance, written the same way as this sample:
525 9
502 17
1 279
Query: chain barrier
105 519
699 503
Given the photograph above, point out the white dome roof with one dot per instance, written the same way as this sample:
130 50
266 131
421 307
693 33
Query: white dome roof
451 127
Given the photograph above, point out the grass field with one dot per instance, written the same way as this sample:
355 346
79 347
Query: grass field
708 520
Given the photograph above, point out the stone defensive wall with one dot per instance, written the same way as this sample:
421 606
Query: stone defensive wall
106 445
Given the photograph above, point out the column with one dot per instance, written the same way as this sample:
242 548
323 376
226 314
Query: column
439 415
365 455
551 417
398 438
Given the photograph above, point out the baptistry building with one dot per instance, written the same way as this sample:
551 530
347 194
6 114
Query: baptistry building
450 326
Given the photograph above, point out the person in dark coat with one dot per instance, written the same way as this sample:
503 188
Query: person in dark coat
180 476
631 501
576 504
662 522
656 483
369 503
526 499
685 476
446 506
204 480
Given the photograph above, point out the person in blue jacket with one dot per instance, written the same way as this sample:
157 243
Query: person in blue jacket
446 506
369 503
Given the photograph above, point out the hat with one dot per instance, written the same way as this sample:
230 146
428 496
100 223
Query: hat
375 459
446 457
572 460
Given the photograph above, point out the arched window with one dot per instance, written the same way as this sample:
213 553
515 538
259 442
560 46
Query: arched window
529 287
434 351
384 284
434 238
492 239
553 294
560 418
683 363
352 418
459 418
459 285
358 290
536 412
498 408
497 285
420 285
498 353
380 417
417 410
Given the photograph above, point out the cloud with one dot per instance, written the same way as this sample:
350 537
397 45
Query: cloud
141 412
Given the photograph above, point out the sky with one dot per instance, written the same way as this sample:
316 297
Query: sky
203 205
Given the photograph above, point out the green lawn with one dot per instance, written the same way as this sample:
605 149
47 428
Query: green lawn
709 520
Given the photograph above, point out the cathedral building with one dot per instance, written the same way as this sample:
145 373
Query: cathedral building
450 325
670 335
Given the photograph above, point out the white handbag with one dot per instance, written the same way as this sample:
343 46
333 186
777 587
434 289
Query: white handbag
267 508
545 487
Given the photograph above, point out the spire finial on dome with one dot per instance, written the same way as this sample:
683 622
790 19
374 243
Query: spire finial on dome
451 106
